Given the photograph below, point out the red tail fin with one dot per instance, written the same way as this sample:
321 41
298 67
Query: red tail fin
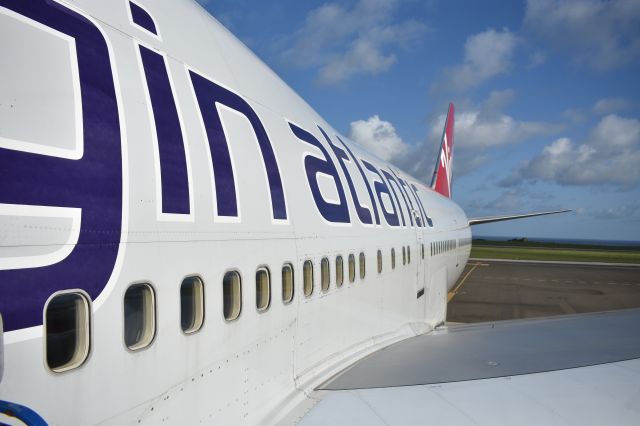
442 174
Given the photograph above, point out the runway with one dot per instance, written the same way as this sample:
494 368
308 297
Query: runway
491 290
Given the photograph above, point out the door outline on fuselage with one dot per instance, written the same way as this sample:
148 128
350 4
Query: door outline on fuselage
421 270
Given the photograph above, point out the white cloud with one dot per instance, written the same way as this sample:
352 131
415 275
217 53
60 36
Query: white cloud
379 137
602 34
601 107
609 105
510 200
486 55
487 126
477 130
343 42
626 212
537 58
609 156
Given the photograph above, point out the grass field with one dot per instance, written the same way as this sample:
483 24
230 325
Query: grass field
557 253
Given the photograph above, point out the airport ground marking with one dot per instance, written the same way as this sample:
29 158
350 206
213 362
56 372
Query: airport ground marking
455 290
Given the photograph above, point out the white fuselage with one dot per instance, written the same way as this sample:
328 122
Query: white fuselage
257 367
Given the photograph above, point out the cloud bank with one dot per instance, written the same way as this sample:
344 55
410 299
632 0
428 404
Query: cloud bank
486 55
344 42
609 156
601 34
477 129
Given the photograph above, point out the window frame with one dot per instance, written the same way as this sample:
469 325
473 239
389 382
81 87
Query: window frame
325 262
340 282
304 278
293 282
88 336
352 268
240 296
138 346
263 268
194 329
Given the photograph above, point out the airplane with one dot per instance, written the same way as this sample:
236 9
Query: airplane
186 241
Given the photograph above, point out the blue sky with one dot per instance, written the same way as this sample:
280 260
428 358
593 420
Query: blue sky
547 96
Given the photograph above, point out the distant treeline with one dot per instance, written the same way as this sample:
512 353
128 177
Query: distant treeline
523 242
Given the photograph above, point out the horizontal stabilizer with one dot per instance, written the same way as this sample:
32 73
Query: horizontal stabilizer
490 219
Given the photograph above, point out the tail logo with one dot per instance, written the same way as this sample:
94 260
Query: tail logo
445 161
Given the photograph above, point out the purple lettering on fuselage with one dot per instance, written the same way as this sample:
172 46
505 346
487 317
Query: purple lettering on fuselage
331 211
364 178
381 188
391 181
424 212
92 183
174 179
208 94
363 213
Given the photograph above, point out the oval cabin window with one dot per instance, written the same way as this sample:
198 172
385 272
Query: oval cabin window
139 316
231 295
393 258
287 283
352 268
307 277
339 271
191 304
263 289
67 331
324 274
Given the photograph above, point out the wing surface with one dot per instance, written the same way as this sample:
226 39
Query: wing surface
579 369
491 219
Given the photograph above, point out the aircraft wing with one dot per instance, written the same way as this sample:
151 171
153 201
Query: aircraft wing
579 369
490 219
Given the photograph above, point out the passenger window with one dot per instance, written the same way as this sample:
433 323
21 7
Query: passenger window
362 266
339 271
307 277
393 258
404 255
324 274
231 295
139 316
263 289
408 254
352 268
287 283
191 304
67 326
379 261
422 250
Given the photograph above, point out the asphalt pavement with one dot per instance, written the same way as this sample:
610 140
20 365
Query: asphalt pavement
499 290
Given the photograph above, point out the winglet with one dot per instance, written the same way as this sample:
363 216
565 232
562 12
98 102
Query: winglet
442 174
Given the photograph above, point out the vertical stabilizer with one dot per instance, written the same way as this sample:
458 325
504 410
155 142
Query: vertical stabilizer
442 174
